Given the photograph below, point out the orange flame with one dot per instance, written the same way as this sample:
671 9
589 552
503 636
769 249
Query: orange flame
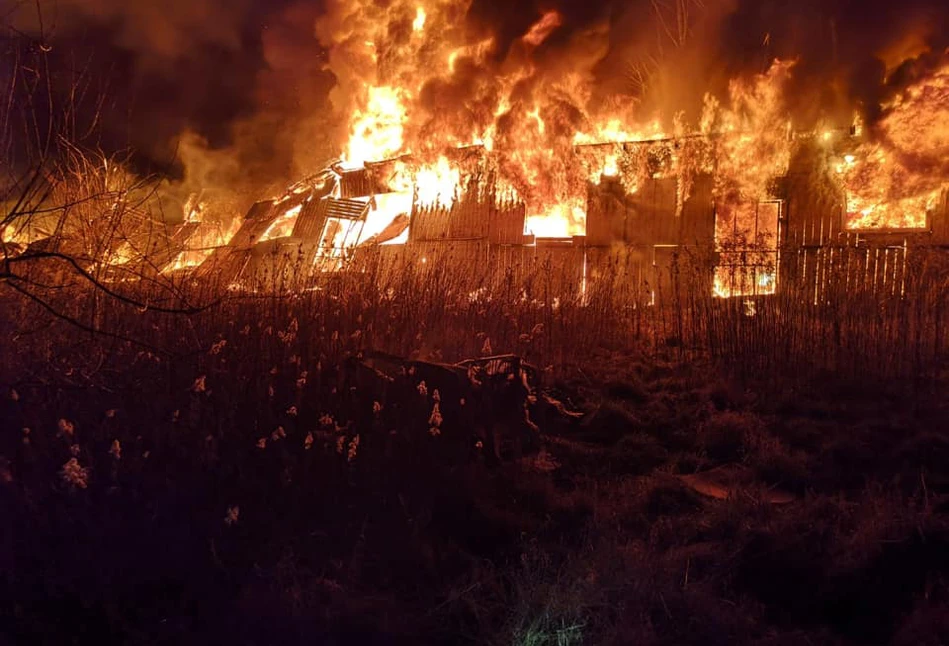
896 180
208 237
437 184
378 130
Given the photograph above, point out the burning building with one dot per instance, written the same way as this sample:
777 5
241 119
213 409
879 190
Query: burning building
499 151
745 207
644 226
502 140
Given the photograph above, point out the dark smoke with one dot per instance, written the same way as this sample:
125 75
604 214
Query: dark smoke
249 79
842 47
240 78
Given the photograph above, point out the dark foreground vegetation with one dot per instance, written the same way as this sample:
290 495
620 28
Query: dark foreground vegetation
234 476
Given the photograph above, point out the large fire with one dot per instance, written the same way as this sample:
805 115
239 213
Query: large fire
437 184
447 110
377 130
895 178
526 120
416 91
414 84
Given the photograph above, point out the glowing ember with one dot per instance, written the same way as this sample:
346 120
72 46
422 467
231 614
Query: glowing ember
543 28
123 255
23 231
187 259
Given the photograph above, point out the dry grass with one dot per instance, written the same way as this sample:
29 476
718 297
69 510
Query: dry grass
227 493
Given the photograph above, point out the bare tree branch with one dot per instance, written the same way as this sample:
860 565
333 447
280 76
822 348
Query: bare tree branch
38 255
82 326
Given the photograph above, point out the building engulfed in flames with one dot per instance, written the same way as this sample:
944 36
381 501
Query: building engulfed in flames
742 203
645 220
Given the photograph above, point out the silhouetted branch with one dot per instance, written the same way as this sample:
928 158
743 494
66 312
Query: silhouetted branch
82 326
38 255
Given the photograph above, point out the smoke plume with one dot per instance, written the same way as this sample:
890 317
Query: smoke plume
267 90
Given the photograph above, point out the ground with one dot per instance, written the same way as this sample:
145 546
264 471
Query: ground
261 490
